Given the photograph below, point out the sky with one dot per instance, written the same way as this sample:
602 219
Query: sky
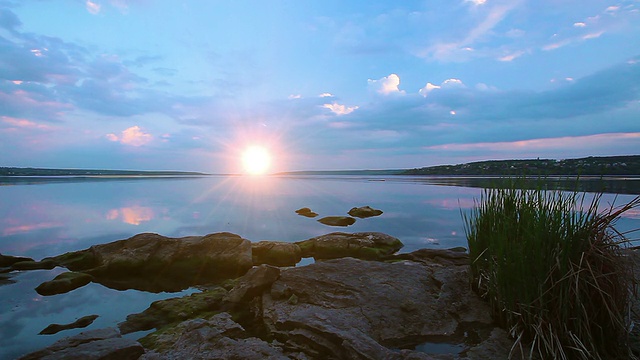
321 85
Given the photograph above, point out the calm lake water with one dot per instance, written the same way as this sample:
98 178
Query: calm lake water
56 216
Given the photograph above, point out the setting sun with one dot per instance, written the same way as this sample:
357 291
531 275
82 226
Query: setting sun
256 160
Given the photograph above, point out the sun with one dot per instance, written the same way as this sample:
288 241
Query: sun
256 160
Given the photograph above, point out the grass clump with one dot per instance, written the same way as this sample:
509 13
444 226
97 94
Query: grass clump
553 270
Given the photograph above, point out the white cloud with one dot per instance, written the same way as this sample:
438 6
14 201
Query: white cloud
133 136
579 24
449 83
340 109
593 35
476 2
427 89
387 85
93 8
323 95
512 56
296 96
612 9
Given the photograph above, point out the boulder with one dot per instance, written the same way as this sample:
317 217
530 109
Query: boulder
337 220
363 245
306 212
63 283
364 212
80 323
156 263
91 345
275 253
253 283
168 311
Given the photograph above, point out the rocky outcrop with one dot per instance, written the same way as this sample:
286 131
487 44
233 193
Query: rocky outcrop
99 344
353 309
364 212
363 245
156 263
337 220
80 323
217 337
253 283
64 283
7 260
306 212
276 253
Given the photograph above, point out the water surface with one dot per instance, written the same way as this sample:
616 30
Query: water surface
47 218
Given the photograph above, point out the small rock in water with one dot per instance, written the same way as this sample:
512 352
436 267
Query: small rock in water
305 211
80 323
364 212
338 220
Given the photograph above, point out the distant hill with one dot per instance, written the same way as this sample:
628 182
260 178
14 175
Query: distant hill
15 171
606 165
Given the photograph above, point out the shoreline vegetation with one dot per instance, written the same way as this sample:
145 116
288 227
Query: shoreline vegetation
570 293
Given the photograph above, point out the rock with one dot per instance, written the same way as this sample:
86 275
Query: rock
80 323
218 337
455 256
364 245
100 344
156 263
353 309
337 220
7 261
164 312
253 283
364 212
45 264
275 253
64 283
305 211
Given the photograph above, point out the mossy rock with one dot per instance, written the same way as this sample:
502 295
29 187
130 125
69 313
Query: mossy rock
64 283
164 312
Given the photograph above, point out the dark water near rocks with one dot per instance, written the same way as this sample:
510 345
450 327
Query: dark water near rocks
51 217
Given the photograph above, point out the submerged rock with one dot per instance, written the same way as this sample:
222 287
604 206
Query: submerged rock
275 253
363 245
156 263
364 212
64 283
80 323
91 345
305 211
337 220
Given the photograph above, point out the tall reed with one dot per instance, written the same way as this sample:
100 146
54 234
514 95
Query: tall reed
553 270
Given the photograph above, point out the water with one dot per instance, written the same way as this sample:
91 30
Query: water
53 217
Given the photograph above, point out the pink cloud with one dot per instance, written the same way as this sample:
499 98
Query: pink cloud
133 136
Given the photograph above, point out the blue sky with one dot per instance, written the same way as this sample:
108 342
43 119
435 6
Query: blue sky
188 85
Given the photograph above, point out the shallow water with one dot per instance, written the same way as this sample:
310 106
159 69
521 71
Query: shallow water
48 218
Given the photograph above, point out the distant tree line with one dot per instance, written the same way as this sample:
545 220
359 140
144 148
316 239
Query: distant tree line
608 165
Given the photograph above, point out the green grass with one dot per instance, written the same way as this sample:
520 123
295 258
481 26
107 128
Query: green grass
554 275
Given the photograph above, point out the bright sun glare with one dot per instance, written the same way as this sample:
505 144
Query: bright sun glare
256 160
